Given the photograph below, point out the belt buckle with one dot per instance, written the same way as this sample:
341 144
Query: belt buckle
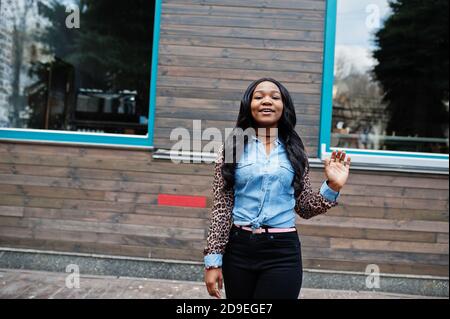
256 231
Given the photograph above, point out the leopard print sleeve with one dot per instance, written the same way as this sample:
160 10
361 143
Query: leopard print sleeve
309 204
221 212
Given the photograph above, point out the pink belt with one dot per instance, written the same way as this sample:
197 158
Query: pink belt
267 230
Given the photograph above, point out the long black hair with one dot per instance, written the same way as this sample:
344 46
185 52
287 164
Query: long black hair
286 133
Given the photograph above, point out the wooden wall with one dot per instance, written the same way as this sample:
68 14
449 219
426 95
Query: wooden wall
81 199
210 52
104 201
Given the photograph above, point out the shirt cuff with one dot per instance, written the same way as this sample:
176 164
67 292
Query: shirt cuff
328 193
212 260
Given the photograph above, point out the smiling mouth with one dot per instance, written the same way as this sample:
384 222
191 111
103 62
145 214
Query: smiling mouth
267 111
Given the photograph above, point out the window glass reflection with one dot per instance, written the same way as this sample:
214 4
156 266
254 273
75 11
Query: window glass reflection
391 89
76 65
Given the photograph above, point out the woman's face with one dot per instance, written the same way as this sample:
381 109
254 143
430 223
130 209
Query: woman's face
267 105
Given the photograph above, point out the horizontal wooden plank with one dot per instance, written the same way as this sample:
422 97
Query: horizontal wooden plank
262 44
104 249
381 201
411 181
277 4
231 11
197 28
243 22
105 238
87 173
314 241
63 161
116 217
396 191
104 227
240 53
82 238
76 151
159 172
14 233
375 256
391 246
238 64
19 200
388 268
226 94
52 192
348 210
245 78
442 238
147 188
372 223
362 233
11 211
202 213
219 84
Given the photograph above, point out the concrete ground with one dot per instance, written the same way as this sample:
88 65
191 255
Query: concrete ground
26 284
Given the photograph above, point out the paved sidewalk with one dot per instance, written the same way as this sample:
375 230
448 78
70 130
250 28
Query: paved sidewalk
26 284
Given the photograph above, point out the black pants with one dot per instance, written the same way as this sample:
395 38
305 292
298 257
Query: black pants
262 266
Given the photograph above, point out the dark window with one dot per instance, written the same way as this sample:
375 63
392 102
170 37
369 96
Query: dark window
76 65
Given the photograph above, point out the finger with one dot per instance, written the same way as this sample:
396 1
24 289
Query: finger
349 160
218 293
343 156
220 283
327 162
338 156
210 287
333 156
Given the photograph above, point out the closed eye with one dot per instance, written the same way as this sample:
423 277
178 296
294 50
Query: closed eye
258 98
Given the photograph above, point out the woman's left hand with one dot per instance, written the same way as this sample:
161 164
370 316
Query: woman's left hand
337 170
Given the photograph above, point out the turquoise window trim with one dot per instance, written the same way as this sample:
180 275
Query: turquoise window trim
326 109
69 137
328 75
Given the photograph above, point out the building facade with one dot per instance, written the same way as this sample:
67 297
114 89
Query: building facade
119 194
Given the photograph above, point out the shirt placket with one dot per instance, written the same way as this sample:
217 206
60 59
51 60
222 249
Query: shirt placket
264 186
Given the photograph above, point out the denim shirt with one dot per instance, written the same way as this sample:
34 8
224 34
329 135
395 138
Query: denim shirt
263 191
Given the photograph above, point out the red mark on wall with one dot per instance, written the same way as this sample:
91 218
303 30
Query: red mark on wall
183 201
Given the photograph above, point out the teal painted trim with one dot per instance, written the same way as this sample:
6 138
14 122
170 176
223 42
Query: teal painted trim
153 84
393 153
326 106
104 139
54 136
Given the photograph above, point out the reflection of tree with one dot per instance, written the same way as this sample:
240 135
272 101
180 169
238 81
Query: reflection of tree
112 49
357 103
21 10
413 67
58 38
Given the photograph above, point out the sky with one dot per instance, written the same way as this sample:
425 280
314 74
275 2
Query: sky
354 37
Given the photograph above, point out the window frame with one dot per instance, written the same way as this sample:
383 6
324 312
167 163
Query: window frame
100 139
382 159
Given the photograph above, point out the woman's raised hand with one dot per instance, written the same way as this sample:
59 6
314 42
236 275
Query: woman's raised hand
337 170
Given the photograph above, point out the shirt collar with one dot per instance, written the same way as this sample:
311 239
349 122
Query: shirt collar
257 139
